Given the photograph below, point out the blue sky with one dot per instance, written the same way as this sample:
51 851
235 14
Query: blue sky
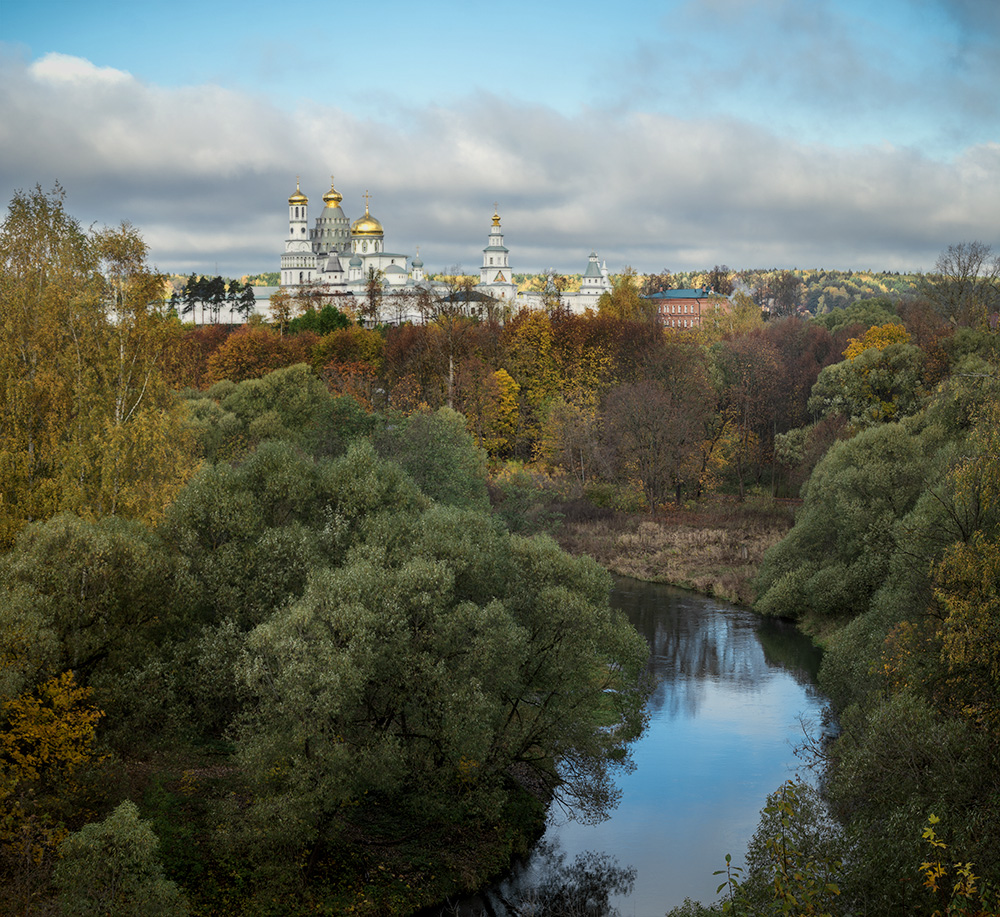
679 134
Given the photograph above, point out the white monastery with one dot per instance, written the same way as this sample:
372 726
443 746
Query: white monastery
340 257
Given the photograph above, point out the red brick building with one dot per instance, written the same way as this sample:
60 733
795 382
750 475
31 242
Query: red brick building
685 308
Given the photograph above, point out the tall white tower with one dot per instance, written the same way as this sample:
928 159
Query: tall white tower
495 277
496 268
298 263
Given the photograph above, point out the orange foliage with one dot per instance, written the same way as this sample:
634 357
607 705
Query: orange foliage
355 379
185 362
254 351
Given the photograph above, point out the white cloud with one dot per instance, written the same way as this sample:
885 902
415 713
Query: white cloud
60 69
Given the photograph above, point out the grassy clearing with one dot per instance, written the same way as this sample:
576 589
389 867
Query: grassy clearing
714 548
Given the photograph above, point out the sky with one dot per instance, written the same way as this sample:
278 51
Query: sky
672 135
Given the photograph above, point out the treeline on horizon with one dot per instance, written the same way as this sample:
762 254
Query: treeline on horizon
274 634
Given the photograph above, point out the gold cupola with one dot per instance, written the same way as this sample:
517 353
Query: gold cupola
333 197
298 197
366 225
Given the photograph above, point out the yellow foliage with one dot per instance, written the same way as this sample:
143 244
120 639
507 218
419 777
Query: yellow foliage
86 413
968 894
500 414
879 337
48 734
46 739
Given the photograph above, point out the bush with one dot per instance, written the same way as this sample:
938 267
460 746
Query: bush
112 869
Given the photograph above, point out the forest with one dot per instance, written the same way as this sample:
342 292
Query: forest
282 631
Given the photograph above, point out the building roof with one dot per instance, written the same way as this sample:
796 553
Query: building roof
681 294
593 267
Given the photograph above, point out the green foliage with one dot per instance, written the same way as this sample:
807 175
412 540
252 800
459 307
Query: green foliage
442 656
112 869
321 321
67 605
794 863
896 545
866 312
436 450
290 404
838 553
252 533
875 386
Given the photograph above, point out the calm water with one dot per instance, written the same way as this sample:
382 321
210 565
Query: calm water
726 714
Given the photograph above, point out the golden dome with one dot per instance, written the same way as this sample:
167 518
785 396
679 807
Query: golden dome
496 216
366 225
333 197
298 197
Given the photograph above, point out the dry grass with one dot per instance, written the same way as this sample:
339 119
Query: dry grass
715 549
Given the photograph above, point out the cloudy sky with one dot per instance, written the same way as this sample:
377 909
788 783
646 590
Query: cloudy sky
677 134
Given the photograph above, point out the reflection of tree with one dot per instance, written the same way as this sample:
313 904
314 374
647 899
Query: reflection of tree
692 645
554 888
786 648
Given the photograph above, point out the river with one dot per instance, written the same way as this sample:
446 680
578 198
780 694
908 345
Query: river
732 694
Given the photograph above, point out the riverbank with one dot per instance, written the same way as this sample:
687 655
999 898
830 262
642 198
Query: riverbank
715 547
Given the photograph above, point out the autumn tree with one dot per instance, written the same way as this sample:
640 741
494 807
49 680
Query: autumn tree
454 315
657 283
528 357
185 361
371 309
89 425
747 369
415 367
803 349
254 351
653 428
967 582
282 308
624 302
489 400
571 440
584 349
47 737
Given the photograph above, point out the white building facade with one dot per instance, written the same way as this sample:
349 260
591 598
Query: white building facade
337 256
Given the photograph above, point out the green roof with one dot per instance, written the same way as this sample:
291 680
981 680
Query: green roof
681 294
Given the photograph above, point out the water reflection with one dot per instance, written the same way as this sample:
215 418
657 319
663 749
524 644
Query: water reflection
549 886
725 716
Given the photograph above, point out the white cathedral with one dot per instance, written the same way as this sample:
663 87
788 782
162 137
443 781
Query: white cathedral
337 256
